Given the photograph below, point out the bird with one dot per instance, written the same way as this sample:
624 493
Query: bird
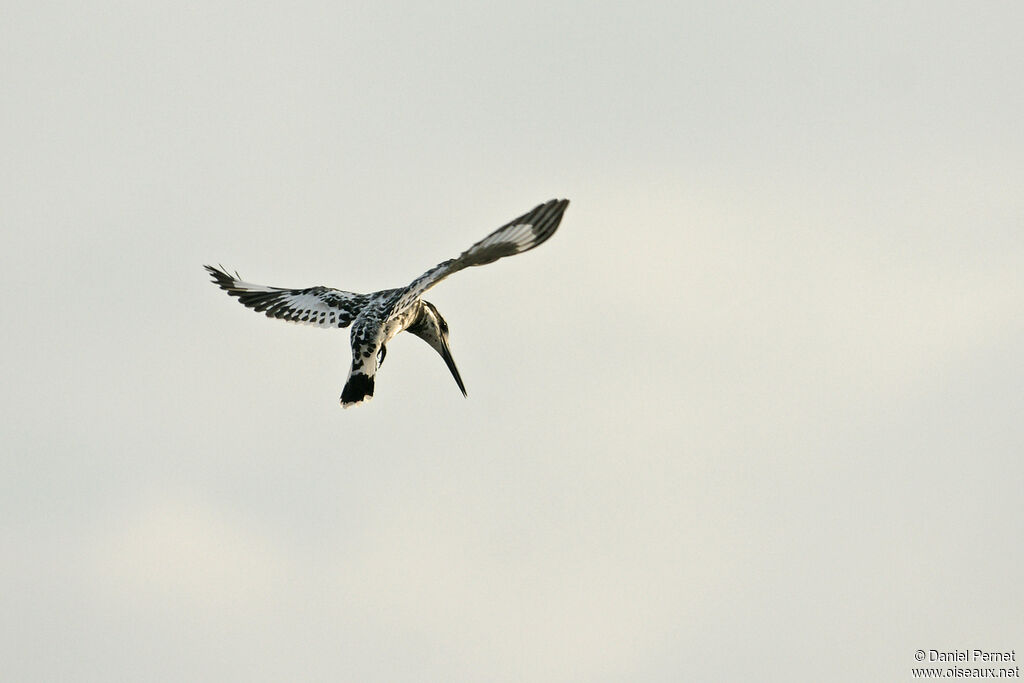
378 317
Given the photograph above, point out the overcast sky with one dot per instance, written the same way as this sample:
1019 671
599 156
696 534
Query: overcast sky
753 413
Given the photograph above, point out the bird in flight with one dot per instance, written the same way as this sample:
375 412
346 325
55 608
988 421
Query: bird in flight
377 317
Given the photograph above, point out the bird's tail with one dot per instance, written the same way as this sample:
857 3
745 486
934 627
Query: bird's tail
358 388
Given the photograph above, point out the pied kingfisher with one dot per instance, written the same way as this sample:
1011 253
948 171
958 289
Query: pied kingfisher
379 316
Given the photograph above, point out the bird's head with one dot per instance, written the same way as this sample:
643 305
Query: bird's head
432 328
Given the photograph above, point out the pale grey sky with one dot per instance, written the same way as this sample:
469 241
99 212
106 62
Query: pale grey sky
754 413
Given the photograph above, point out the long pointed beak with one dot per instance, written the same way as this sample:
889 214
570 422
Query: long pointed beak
446 353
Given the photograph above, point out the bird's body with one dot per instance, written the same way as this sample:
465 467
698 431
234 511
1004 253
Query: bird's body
377 317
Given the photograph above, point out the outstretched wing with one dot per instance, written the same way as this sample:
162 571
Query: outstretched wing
320 306
522 234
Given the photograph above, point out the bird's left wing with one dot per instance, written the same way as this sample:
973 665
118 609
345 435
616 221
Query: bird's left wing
320 306
522 234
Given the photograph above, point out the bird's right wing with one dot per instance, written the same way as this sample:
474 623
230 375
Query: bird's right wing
320 306
522 234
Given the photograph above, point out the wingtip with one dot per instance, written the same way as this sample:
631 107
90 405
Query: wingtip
560 203
219 276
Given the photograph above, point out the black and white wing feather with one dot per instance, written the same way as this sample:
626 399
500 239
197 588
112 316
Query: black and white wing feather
522 234
320 306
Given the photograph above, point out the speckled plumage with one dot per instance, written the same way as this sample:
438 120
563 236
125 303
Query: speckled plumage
377 317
